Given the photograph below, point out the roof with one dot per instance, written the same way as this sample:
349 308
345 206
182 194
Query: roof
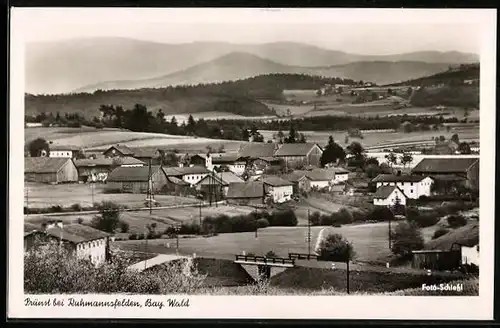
338 170
296 175
211 179
397 178
384 192
226 158
269 159
320 175
122 149
295 149
178 181
255 150
140 152
229 177
135 173
467 235
76 233
444 165
275 181
44 164
180 171
254 189
64 147
108 161
447 177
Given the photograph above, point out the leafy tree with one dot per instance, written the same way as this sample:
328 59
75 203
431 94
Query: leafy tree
37 146
406 158
302 138
455 138
372 161
356 149
332 153
108 218
280 136
442 138
271 254
406 238
292 135
464 148
335 248
371 170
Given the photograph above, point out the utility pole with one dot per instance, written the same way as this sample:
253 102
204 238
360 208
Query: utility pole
347 264
177 229
150 187
146 251
92 191
390 230
308 234
256 229
200 214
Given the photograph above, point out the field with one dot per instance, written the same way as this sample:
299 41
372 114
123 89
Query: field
215 115
44 195
369 241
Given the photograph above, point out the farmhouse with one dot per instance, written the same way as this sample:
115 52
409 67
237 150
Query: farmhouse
439 168
97 170
413 186
388 196
218 180
145 155
212 187
247 193
340 175
189 174
50 170
82 241
118 151
59 151
264 163
280 190
299 154
136 179
234 162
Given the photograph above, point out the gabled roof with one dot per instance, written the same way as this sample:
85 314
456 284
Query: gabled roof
269 159
229 177
44 164
296 149
296 175
467 235
145 153
254 189
177 181
57 147
137 173
75 233
397 178
107 162
384 192
275 181
255 150
226 158
338 170
180 171
444 165
211 179
320 175
122 149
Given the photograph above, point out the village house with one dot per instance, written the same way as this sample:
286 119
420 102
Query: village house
411 185
215 181
440 169
341 175
253 151
278 189
60 151
136 179
97 170
50 170
189 174
80 240
265 164
246 193
118 151
389 196
233 161
144 155
299 154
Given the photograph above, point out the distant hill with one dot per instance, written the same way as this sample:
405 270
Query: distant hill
64 66
238 97
240 65
452 76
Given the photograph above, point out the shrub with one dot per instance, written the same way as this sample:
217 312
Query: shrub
140 236
271 254
335 248
325 220
456 221
133 236
56 208
109 217
124 226
79 220
76 207
405 238
343 216
314 218
262 223
440 232
283 218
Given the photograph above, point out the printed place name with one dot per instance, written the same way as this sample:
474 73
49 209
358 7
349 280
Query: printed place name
171 302
112 303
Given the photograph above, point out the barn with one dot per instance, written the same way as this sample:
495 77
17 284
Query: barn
136 179
50 170
246 193
300 154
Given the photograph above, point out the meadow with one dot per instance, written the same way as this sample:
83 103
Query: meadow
39 195
369 242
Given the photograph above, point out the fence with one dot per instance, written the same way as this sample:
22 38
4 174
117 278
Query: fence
263 259
299 256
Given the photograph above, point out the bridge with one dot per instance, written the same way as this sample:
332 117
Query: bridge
265 264
300 256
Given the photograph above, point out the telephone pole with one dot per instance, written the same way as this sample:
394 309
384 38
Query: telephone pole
200 214
27 198
146 250
308 234
150 189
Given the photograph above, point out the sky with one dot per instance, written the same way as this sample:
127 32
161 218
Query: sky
367 32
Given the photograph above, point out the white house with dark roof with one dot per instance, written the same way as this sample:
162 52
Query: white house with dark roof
466 168
61 151
278 189
411 185
388 196
81 240
189 174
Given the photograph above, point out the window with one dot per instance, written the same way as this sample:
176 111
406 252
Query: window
411 183
411 191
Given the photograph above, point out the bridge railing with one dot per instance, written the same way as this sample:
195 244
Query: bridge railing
273 260
300 256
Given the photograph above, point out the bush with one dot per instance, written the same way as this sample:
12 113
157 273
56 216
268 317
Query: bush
325 220
79 220
456 221
314 218
406 238
133 236
440 232
109 217
76 207
286 218
271 254
56 208
343 216
124 226
335 248
262 223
